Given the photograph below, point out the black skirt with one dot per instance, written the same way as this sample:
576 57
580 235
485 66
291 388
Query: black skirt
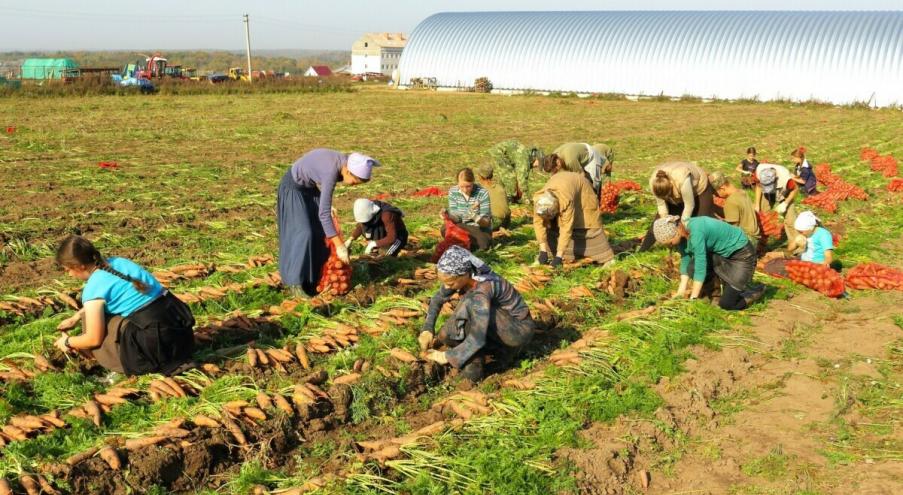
302 241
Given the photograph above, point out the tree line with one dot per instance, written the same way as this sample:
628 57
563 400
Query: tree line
205 61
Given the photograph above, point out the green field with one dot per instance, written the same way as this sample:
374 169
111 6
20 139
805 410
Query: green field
196 183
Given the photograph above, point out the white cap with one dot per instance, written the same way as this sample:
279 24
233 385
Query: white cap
364 210
805 221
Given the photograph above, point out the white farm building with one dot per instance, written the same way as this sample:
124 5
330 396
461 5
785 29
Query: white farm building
837 57
377 53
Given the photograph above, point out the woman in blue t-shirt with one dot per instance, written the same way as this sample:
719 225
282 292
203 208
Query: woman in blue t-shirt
819 242
130 323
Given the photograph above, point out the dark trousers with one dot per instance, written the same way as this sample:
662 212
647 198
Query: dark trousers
505 335
705 207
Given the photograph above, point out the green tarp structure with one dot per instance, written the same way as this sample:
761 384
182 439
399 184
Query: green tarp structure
47 68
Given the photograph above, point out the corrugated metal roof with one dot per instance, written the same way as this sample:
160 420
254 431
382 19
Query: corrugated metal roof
839 57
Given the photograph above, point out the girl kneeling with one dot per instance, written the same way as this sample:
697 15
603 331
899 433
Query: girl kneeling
130 323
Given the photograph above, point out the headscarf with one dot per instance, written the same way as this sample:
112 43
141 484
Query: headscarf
364 210
457 261
805 221
361 165
665 229
546 205
536 154
768 177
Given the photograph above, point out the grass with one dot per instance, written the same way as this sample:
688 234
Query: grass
197 182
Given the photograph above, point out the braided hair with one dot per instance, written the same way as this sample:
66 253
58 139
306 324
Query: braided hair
76 251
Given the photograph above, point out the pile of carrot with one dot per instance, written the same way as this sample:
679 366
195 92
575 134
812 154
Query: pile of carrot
886 164
874 276
331 339
33 485
769 224
162 388
838 190
534 279
212 293
816 277
464 404
25 426
895 185
278 358
611 194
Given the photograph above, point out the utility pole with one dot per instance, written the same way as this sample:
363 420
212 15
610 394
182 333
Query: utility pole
248 46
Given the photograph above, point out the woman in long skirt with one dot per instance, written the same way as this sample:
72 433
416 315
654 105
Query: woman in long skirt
304 209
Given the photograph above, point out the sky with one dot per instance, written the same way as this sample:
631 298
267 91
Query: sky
285 24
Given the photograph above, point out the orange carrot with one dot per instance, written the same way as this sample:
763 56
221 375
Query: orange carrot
140 443
283 404
30 484
111 457
75 459
255 413
201 420
263 400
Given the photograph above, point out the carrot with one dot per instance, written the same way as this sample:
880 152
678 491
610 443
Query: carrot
280 355
75 459
301 353
402 313
46 486
42 363
111 457
255 413
5 489
175 386
233 428
210 368
263 400
252 357
171 432
460 410
347 379
109 400
154 394
283 404
317 390
201 420
27 423
30 484
14 433
122 391
300 389
163 388
262 357
402 355
140 443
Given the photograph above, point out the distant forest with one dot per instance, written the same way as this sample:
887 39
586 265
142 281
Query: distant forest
293 61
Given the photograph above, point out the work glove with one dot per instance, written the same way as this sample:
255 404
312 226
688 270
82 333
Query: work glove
437 357
342 252
557 262
781 208
348 243
425 339
543 258
371 247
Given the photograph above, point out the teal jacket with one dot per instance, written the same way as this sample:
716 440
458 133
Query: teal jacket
708 236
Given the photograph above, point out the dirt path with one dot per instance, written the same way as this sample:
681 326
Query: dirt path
806 400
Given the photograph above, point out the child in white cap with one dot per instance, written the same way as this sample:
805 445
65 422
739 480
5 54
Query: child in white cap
382 226
819 242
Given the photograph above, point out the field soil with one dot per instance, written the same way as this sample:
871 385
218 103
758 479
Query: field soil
775 410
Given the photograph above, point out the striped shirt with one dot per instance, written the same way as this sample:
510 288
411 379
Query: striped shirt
470 209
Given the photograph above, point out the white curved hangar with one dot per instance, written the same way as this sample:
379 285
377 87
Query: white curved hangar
836 57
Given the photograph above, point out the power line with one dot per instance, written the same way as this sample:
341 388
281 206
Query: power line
35 13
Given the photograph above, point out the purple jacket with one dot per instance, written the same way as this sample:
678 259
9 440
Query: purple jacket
321 168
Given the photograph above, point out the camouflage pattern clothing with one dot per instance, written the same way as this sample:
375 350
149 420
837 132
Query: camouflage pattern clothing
492 311
512 168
